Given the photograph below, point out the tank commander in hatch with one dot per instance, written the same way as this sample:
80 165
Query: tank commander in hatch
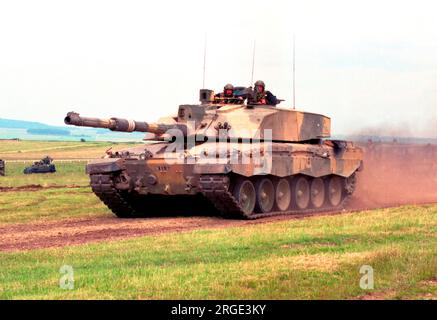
228 96
261 96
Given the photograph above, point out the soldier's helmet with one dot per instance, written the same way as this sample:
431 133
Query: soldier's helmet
260 86
228 90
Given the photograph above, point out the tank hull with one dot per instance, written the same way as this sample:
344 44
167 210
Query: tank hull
40 169
140 185
2 168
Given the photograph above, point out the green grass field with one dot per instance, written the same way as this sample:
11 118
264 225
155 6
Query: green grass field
315 258
50 204
311 258
33 150
70 172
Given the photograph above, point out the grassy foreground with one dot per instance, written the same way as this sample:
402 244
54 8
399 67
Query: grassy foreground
314 258
50 204
67 174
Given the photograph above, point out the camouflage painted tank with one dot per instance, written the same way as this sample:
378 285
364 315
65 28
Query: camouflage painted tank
243 161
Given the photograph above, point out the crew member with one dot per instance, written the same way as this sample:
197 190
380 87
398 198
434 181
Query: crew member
261 96
228 96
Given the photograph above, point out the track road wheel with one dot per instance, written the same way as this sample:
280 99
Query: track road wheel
301 193
245 194
265 195
317 193
335 191
283 195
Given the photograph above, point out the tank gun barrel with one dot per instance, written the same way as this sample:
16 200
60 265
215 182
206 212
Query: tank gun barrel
123 125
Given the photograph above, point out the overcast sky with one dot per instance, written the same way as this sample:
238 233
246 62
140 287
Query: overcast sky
365 64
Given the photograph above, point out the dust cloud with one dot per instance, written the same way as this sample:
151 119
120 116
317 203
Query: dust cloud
385 130
396 173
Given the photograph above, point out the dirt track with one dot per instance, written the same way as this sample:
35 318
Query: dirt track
392 176
28 236
35 187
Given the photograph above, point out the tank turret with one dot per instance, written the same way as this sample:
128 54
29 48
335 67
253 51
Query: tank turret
45 165
236 121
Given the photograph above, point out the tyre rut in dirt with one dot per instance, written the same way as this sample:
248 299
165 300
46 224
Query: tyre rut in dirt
265 195
103 186
317 190
216 189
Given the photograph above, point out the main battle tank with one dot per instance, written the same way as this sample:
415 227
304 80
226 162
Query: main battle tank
45 165
243 161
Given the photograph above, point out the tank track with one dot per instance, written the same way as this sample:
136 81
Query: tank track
103 186
216 189
125 204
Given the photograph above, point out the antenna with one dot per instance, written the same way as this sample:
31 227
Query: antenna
253 61
204 60
294 72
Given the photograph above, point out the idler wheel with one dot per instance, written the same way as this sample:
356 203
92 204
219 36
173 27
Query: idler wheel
317 193
265 195
335 191
283 194
301 193
244 192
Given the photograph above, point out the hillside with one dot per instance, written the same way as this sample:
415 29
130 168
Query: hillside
29 130
20 124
